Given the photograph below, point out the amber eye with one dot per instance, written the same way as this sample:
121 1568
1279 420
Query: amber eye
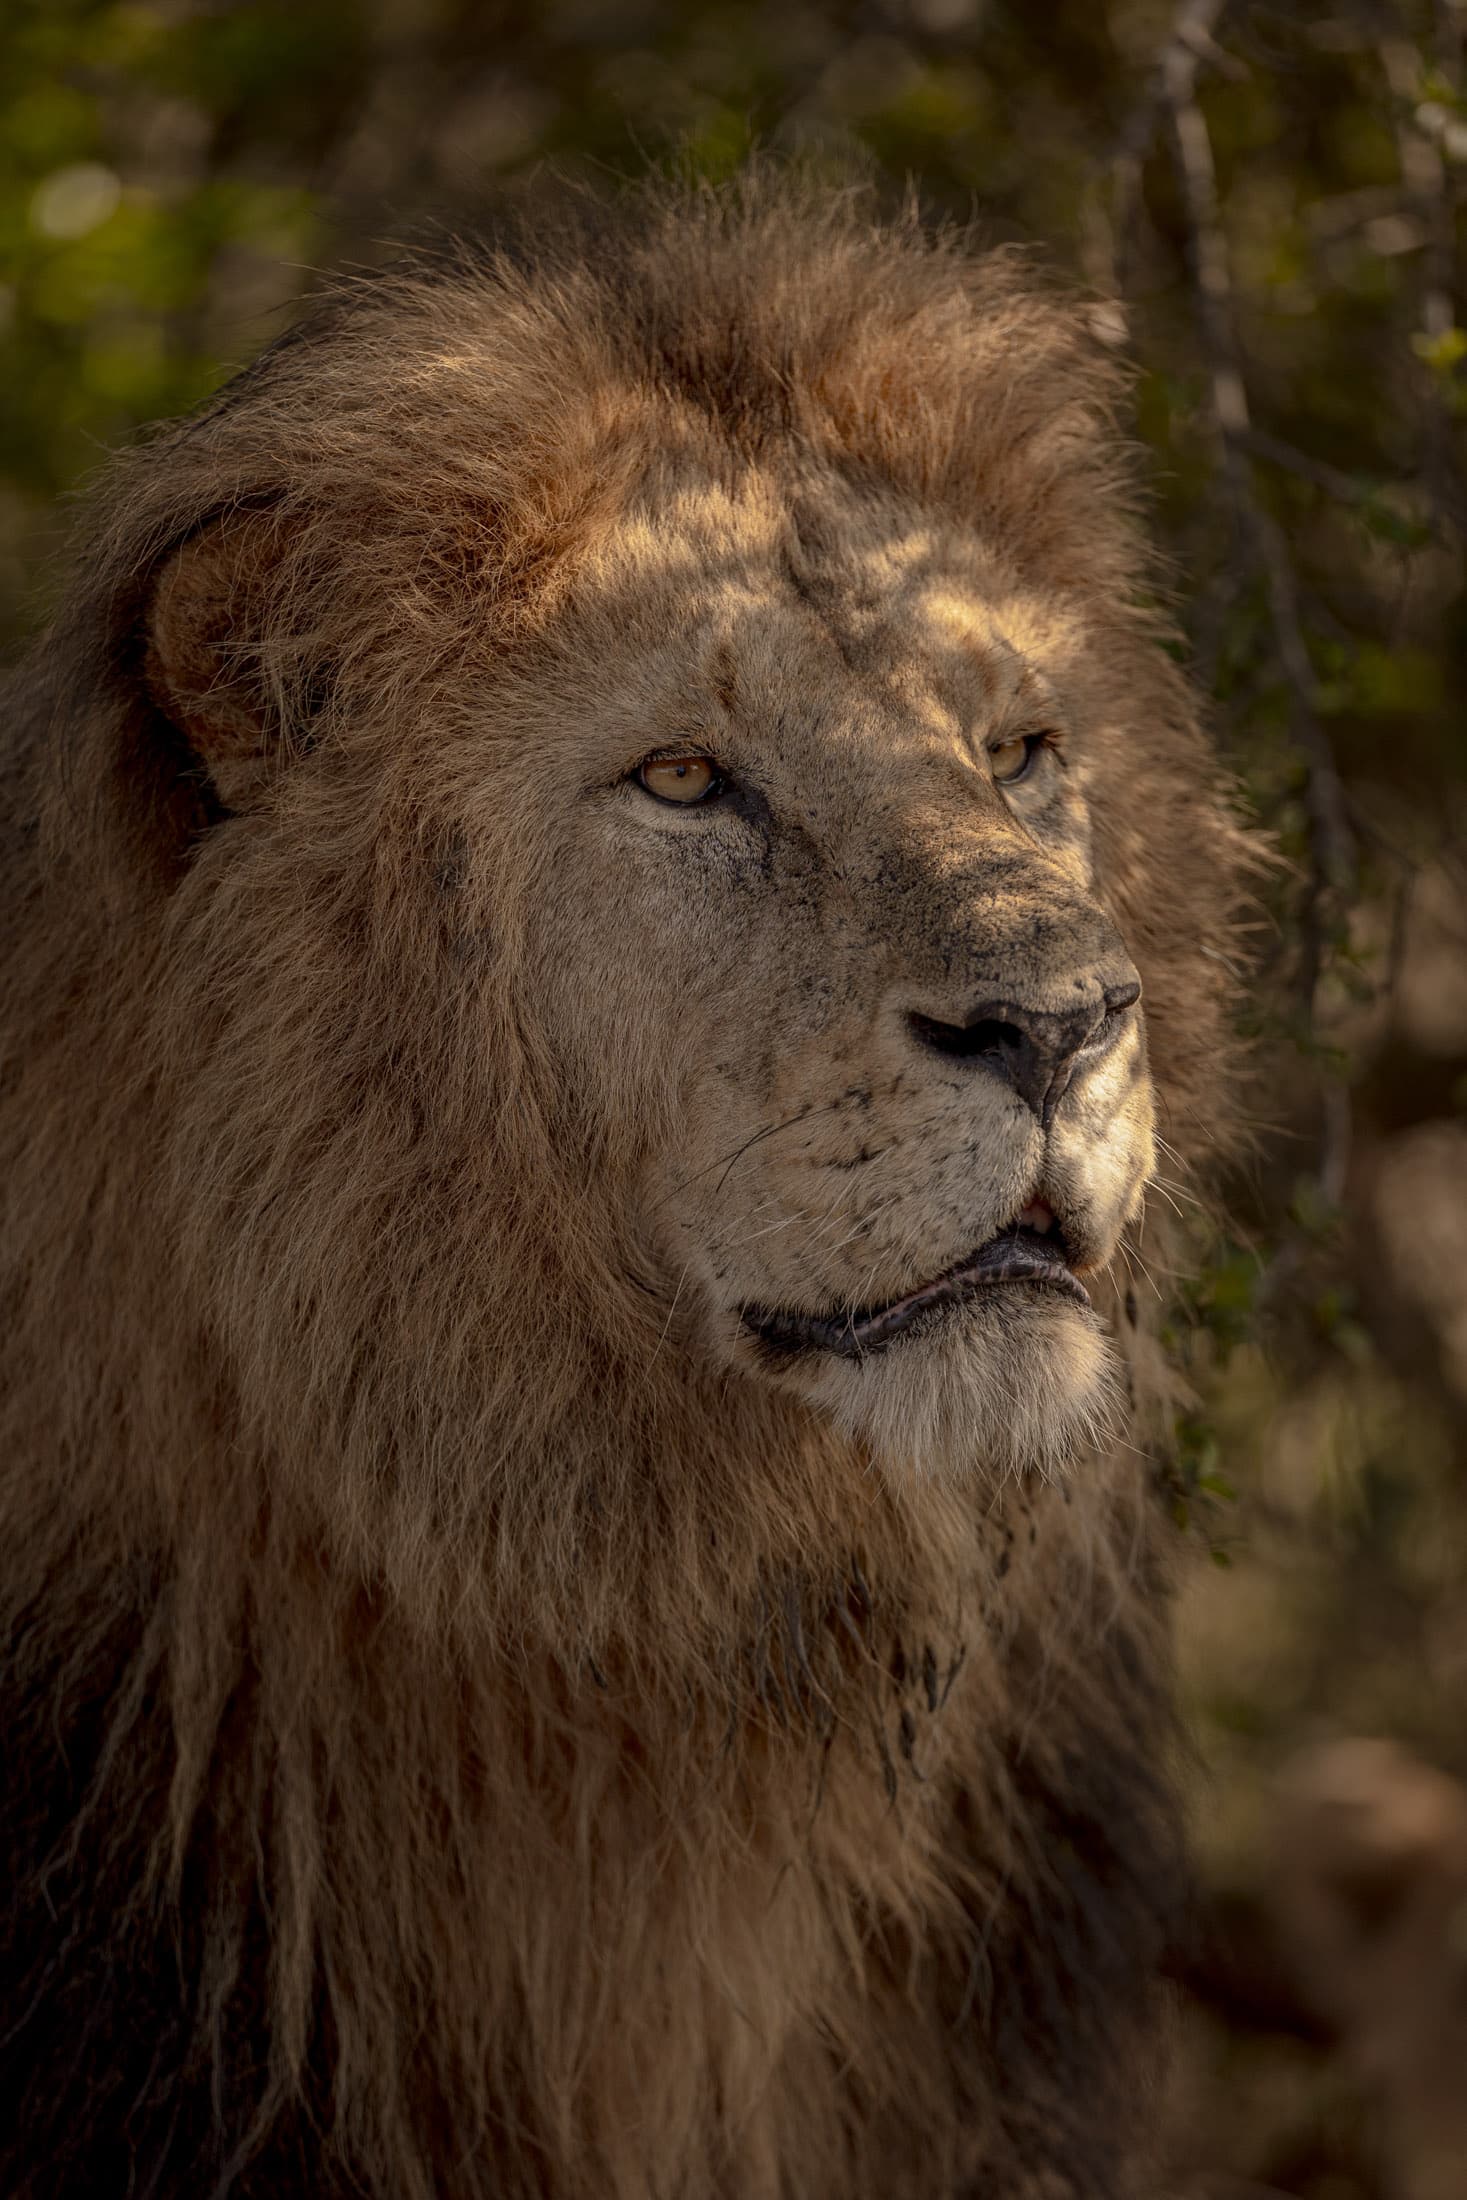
1010 760
679 778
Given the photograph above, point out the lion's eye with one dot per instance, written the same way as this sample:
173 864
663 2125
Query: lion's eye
682 779
1011 760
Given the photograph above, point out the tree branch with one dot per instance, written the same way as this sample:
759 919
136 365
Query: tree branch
1331 838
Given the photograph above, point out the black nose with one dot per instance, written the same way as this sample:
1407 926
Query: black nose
1032 1049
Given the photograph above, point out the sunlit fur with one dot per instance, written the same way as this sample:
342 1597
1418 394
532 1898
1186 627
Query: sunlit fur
1018 1388
473 1727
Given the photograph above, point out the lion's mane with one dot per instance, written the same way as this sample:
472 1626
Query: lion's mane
541 1768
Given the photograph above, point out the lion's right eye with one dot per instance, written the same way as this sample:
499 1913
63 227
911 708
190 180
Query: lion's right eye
1012 760
683 779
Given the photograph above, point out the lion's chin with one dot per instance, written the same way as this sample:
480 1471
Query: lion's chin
1016 1381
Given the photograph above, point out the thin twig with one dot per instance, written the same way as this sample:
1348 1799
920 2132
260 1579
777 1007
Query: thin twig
1193 33
1334 842
1344 488
1428 185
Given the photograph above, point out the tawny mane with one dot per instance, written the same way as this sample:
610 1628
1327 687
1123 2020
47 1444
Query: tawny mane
496 1753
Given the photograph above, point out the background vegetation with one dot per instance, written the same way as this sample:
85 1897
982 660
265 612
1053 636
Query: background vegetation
1265 205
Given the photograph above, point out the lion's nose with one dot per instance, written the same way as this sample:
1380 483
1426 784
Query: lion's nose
1035 1050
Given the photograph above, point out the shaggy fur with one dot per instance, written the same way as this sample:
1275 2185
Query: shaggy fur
477 1722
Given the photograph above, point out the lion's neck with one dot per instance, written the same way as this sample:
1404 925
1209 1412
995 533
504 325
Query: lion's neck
525 1816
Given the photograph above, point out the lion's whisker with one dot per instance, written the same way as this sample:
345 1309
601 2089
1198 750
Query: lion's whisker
1157 1183
662 1339
769 1230
1132 1258
768 1130
1183 1191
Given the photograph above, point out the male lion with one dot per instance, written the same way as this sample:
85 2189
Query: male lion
585 852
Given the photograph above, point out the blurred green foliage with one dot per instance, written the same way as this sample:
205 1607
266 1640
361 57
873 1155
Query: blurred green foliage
171 173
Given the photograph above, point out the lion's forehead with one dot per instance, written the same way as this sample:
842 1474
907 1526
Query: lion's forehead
750 582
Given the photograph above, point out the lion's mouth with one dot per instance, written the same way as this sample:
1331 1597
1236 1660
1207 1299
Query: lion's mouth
1031 1249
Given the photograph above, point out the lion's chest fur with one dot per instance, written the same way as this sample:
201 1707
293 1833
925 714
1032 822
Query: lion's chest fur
801 1937
782 1927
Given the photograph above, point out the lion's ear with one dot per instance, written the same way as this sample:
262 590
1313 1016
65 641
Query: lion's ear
206 658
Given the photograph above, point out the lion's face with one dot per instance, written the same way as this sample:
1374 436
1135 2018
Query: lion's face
647 770
819 921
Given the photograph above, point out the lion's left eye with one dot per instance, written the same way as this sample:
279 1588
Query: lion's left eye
1012 760
682 779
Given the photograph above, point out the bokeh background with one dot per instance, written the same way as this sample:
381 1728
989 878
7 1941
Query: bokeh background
1264 204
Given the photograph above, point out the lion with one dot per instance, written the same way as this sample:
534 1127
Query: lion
612 881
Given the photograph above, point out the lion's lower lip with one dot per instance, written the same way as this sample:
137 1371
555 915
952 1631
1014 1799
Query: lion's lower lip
1015 1256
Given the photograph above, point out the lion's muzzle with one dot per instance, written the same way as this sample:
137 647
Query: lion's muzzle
1038 1050
1020 1254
